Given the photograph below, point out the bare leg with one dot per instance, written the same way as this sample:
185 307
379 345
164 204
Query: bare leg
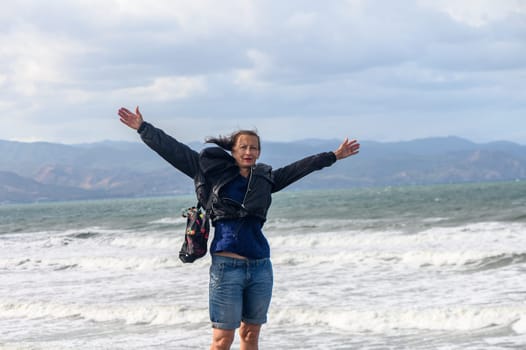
222 339
249 336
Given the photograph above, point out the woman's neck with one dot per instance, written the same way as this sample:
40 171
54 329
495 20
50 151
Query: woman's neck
245 172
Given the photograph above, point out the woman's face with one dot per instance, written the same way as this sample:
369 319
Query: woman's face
246 150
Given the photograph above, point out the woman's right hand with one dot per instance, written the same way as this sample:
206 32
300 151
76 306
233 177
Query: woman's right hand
133 120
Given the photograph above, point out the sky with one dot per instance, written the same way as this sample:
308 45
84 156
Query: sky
297 69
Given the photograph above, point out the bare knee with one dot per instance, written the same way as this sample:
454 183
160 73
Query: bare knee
249 333
222 339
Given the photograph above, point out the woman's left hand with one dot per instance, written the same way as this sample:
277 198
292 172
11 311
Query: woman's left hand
133 120
347 149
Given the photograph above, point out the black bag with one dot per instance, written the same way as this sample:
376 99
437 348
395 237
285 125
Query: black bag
196 234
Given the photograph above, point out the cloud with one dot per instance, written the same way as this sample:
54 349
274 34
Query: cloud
30 57
167 89
478 13
374 64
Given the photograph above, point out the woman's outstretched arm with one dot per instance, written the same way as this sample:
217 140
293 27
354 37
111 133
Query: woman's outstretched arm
174 152
293 172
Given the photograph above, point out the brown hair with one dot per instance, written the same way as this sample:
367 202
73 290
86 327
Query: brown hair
228 142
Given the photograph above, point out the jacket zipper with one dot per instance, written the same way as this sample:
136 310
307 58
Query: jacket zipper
248 189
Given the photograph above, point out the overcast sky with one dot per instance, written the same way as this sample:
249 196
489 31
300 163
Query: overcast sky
370 69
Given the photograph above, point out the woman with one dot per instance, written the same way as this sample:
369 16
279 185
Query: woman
236 192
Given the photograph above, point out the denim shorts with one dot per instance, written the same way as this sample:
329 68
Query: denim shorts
239 290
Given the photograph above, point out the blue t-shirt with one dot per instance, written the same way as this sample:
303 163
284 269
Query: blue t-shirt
242 236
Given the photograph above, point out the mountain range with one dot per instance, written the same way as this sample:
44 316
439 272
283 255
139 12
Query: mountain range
42 171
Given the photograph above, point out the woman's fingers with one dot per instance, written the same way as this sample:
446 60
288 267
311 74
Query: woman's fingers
133 120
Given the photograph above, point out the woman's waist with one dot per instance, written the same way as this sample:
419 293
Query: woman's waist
234 259
230 255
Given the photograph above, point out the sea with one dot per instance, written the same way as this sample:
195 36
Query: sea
413 267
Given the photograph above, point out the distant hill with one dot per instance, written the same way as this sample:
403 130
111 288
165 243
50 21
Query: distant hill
48 171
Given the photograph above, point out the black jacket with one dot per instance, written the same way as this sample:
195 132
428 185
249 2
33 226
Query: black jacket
214 167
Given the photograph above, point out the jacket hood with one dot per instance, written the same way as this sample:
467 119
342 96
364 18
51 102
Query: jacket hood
214 159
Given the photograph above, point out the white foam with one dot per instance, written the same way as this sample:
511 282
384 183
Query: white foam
127 313
470 235
287 226
469 246
32 235
152 241
417 259
170 221
454 318
520 325
93 263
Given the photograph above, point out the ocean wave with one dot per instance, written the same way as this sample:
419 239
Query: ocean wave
178 220
92 263
447 318
497 261
462 260
85 234
471 261
151 241
57 238
473 247
281 226
129 314
94 237
81 233
475 234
